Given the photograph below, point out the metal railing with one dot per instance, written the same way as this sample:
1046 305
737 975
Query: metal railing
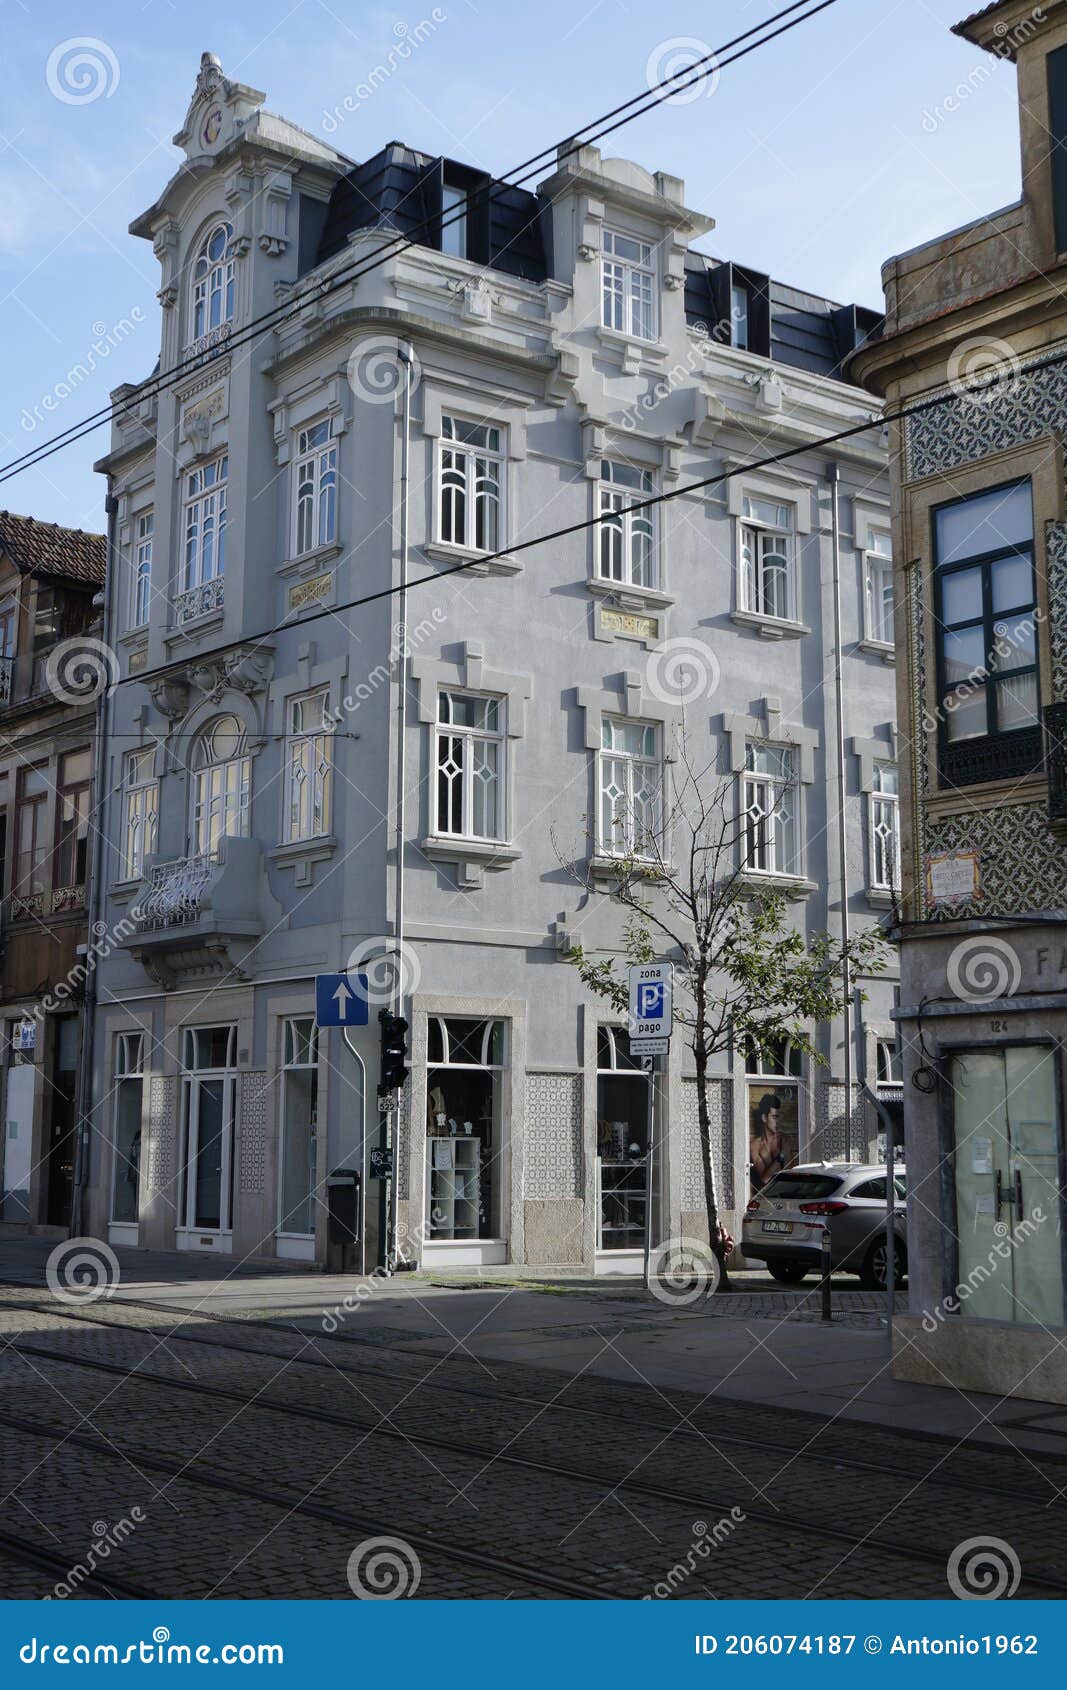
176 891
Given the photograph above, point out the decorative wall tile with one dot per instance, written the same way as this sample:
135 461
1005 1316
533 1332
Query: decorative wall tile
1056 554
553 1135
1023 866
835 1138
254 1087
161 1117
1029 403
721 1111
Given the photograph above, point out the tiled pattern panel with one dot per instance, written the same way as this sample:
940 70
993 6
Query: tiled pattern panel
1023 867
403 1144
253 1132
161 1113
1056 553
720 1109
833 1136
553 1135
1030 403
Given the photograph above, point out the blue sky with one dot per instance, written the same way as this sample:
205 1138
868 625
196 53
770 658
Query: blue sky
818 156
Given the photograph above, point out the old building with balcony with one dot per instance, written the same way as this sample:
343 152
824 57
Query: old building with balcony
454 367
50 580
974 358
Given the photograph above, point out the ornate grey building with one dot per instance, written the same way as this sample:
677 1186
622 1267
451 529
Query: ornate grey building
563 355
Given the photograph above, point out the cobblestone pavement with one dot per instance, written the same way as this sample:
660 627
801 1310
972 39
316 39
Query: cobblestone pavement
260 1469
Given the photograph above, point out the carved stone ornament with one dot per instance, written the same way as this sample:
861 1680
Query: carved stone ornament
170 695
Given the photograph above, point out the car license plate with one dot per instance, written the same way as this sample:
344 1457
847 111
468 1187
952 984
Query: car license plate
777 1226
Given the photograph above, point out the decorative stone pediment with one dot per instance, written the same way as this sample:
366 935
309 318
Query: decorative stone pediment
218 110
246 669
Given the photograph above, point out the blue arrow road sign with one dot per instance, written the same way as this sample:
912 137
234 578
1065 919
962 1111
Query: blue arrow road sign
341 1000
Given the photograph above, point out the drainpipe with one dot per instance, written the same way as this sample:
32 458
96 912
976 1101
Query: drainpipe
388 1201
833 476
96 897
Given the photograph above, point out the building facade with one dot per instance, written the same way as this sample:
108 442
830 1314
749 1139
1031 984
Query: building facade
562 355
974 355
49 623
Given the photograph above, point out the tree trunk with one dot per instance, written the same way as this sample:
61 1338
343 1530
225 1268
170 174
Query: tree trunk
704 1123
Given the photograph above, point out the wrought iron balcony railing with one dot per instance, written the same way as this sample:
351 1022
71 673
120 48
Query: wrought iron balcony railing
176 892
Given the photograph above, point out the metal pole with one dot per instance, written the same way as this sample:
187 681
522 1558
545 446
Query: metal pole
362 1150
650 1070
833 476
387 1195
824 1265
890 1211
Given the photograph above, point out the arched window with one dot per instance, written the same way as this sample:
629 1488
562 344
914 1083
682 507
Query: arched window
213 281
222 785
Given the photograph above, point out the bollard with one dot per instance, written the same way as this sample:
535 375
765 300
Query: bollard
824 1265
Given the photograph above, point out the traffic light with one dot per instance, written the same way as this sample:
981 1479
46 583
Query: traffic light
394 1050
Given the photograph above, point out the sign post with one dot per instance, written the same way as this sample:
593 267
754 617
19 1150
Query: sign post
341 1001
651 1020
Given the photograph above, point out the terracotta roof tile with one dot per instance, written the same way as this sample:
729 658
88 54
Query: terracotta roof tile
43 548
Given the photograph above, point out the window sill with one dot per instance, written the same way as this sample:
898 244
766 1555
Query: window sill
880 898
471 856
627 596
302 854
880 648
479 564
770 627
796 887
604 867
633 351
121 891
309 563
209 623
134 637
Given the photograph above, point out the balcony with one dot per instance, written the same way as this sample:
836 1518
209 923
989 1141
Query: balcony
197 919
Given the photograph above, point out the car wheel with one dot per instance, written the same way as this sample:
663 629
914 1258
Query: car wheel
787 1273
874 1271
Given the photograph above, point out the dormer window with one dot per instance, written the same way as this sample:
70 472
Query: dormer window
739 317
628 285
454 220
213 282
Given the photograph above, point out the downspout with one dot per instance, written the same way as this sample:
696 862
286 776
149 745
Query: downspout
387 1245
833 476
96 896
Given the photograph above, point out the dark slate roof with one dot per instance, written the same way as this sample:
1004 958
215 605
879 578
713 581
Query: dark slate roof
400 189
43 548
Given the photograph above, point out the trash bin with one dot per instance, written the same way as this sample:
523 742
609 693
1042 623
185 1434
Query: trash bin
342 1227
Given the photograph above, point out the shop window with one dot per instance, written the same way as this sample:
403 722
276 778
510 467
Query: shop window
773 1075
300 1114
622 1142
126 1126
464 1128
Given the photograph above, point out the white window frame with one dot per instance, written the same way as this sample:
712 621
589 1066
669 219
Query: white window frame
878 587
472 742
739 317
315 487
763 537
470 472
204 512
289 1064
192 1079
613 762
622 533
308 770
140 811
221 791
883 811
763 813
454 237
213 280
141 574
628 285
129 1065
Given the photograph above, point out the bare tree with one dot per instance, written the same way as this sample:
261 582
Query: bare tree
742 969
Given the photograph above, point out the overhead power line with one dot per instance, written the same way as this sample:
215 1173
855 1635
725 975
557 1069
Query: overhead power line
268 320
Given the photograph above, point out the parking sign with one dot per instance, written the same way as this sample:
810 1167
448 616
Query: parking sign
651 1006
